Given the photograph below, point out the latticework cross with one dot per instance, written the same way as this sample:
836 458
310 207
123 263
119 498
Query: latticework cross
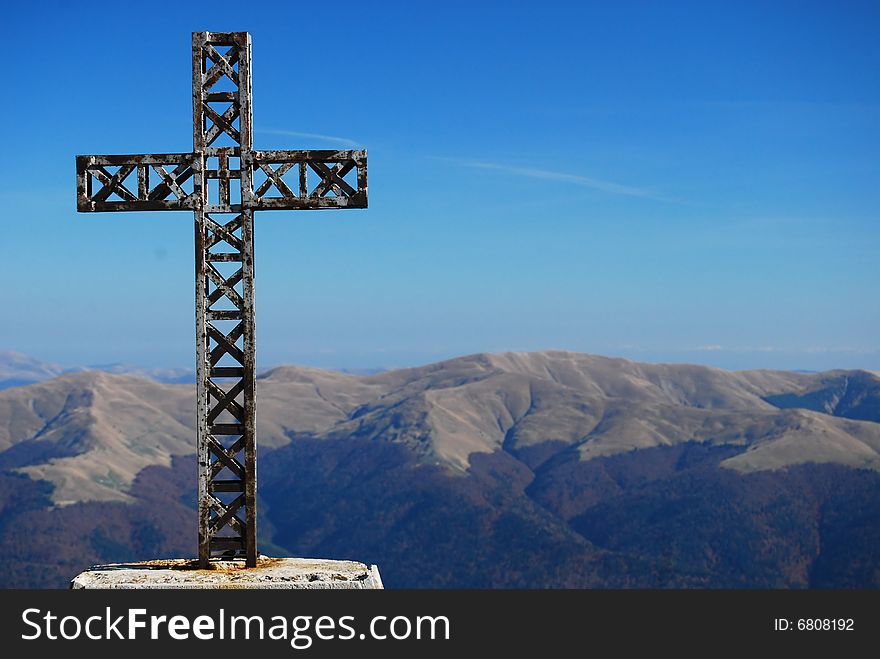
223 181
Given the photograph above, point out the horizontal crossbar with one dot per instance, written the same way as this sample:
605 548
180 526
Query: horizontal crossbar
223 38
137 159
161 189
312 155
224 314
227 372
145 167
358 200
226 428
226 486
227 257
330 166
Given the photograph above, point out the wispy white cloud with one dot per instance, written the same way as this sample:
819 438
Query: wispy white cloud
715 347
583 181
333 139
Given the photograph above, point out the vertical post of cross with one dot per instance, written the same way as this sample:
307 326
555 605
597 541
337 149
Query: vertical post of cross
224 390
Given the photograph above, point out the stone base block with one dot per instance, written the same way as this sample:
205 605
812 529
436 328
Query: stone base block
285 573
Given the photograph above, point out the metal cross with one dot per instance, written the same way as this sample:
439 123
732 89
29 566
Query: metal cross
223 181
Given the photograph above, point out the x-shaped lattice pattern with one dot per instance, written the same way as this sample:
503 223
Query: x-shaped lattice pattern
216 182
225 412
287 182
222 65
222 120
138 182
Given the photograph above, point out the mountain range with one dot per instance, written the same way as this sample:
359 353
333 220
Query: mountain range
550 469
17 369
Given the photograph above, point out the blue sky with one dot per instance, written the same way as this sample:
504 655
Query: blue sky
664 181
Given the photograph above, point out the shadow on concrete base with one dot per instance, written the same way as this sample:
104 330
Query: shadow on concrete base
278 573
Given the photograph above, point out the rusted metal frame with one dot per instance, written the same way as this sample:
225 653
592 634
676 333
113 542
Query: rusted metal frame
170 182
231 174
203 437
137 205
334 177
225 404
222 97
232 450
225 459
112 182
222 508
207 234
221 522
225 345
228 340
224 232
218 208
225 429
226 514
331 179
143 174
223 257
361 162
181 174
225 401
223 38
89 167
116 159
243 43
104 177
223 178
224 314
214 151
309 203
249 380
227 486
359 156
227 371
227 518
83 184
223 175
225 286
274 177
317 160
222 123
222 66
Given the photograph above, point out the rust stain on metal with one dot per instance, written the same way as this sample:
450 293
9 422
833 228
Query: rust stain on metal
223 199
263 562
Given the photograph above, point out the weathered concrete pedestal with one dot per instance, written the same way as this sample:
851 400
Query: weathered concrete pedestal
275 573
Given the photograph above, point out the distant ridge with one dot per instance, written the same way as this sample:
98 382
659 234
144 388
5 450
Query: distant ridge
18 369
446 412
513 469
